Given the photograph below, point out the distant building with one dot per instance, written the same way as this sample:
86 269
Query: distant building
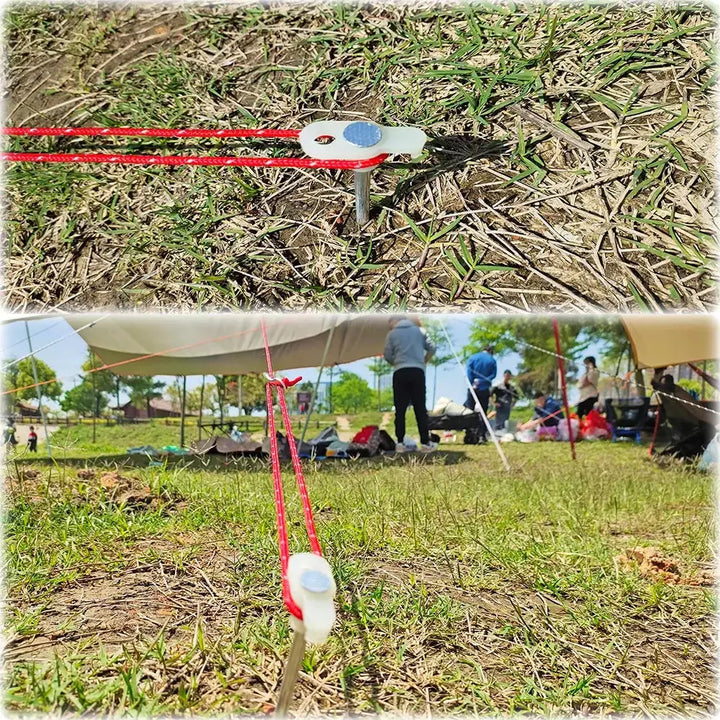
159 408
26 410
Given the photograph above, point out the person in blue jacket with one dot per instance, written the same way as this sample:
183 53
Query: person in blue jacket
481 371
545 405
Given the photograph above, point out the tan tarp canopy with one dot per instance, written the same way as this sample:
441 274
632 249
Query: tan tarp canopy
662 340
228 343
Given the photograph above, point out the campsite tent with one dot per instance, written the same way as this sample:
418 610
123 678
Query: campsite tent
662 340
228 344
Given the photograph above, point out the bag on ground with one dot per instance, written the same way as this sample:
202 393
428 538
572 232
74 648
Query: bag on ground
366 443
562 429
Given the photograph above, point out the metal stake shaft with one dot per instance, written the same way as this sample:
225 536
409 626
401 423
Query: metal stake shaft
362 196
292 670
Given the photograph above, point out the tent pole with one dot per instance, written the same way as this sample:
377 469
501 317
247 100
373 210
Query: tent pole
200 416
95 395
482 414
702 390
561 366
182 412
38 391
317 384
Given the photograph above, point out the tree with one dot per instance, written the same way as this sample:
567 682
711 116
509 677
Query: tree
387 399
9 382
533 339
252 391
351 393
223 385
379 367
192 399
105 381
102 381
443 352
143 390
84 399
25 376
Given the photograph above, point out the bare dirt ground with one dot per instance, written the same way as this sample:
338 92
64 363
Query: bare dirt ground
570 164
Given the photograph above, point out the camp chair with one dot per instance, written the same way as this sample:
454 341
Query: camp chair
627 418
693 427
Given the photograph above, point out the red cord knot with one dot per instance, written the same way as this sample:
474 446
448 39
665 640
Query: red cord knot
283 382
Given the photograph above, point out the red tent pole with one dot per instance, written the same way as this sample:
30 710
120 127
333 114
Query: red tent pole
564 385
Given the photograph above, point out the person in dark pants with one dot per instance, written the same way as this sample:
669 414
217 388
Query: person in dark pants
32 440
505 396
481 371
9 434
407 349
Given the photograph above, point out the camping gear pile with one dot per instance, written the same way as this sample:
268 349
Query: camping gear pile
592 427
368 442
450 415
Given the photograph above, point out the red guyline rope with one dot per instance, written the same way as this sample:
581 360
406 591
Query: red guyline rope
147 132
175 160
283 543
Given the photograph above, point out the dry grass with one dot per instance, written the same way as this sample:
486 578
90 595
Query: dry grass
571 166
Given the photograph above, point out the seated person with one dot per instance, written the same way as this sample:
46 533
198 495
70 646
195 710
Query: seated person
666 383
545 406
689 411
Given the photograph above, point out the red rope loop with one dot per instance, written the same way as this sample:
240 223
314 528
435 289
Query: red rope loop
281 384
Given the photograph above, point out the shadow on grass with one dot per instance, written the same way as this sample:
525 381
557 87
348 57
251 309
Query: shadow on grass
221 462
447 153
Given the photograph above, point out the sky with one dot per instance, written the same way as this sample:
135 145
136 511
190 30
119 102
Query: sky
55 342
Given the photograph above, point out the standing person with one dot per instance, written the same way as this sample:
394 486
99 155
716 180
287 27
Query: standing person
32 439
504 396
9 433
481 371
588 385
407 349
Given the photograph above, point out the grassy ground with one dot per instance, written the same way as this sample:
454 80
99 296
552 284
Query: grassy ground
76 441
461 588
570 166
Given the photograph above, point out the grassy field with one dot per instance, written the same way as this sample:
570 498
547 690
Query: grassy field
570 165
461 588
76 441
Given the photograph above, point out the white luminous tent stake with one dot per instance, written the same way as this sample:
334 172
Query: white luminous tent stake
360 140
359 146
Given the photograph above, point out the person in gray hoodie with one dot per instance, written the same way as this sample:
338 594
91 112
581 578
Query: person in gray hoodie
407 349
